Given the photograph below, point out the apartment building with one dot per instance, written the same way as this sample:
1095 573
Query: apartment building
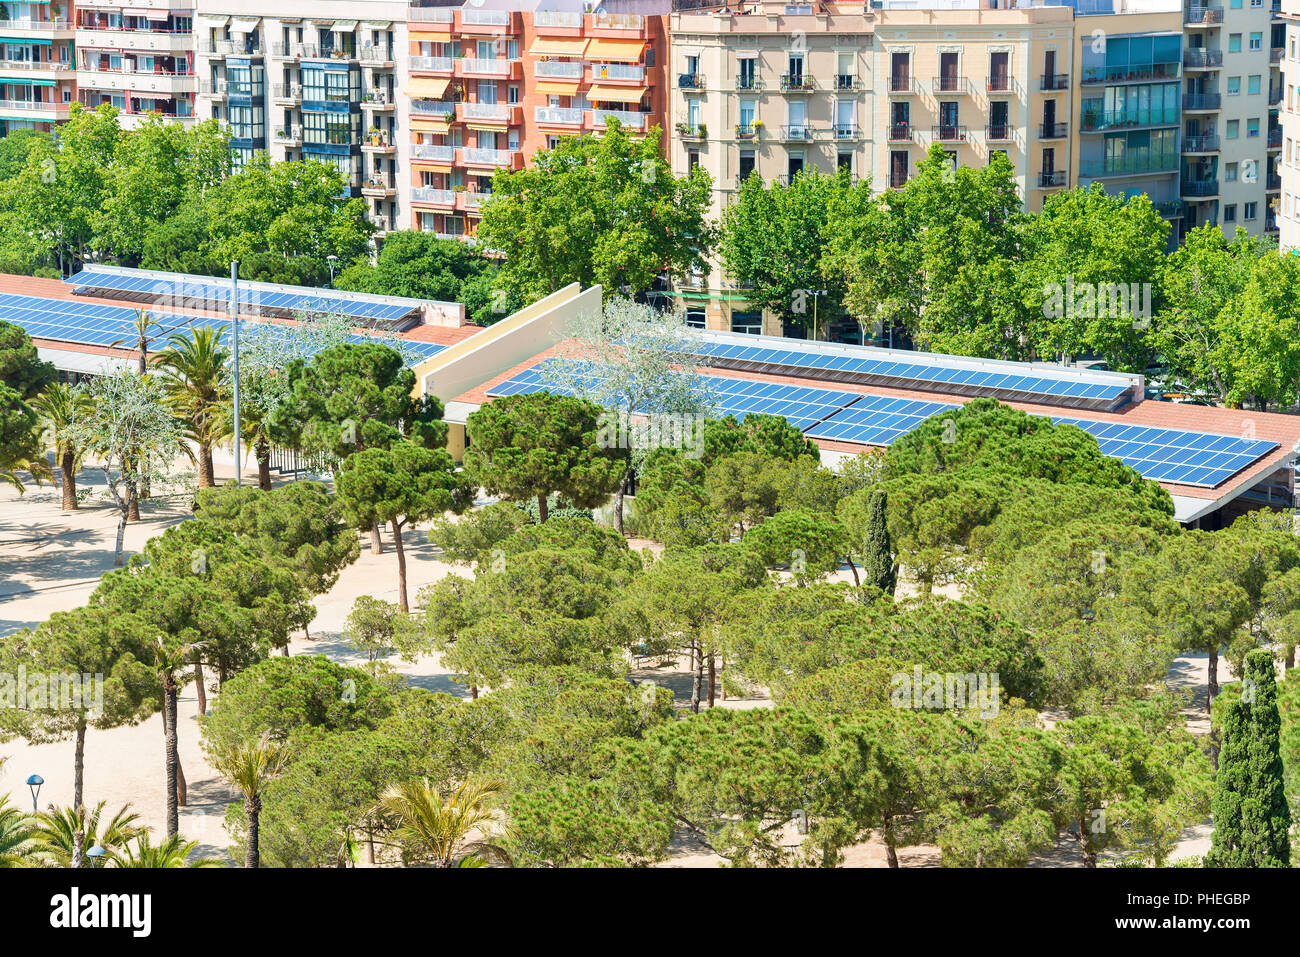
488 87
1288 205
139 59
37 78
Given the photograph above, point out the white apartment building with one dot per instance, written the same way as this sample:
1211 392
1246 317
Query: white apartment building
1288 212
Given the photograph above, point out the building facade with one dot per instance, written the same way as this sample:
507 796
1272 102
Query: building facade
140 59
37 75
1288 204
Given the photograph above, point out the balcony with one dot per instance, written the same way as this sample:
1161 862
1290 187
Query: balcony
1137 165
956 85
429 196
847 82
948 134
419 14
1053 131
286 51
38 111
748 83
558 70
897 180
847 131
431 64
1139 73
157 39
635 121
32 26
287 93
557 21
1202 59
1202 102
799 133
378 185
379 142
901 83
377 55
472 202
1275 55
41 69
1172 209
1275 138
1202 143
1199 189
1053 179
433 110
1274 97
288 137
215 89
501 159
1051 82
1273 182
900 133
747 131
629 25
690 81
1199 15
692 131
1094 121
486 22
796 83
999 133
557 116
625 72
381 101
476 66
494 113
433 154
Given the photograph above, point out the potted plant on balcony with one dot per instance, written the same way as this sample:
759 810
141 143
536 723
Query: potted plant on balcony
758 126
682 128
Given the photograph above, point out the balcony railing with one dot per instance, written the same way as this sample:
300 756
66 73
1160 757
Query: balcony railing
1275 138
1052 179
900 132
746 131
1202 101
950 84
692 131
900 83
286 91
371 53
635 121
798 132
897 180
748 83
1130 165
618 21
557 114
690 81
847 131
494 67
617 71
377 100
485 111
998 132
1201 143
480 156
441 108
557 18
432 64
846 81
949 134
1134 73
1274 97
286 51
1054 81
1053 131
35 106
439 197
54 23
1000 83
1171 209
378 183
437 154
54 65
796 83
488 18
1275 55
1094 120
558 68
1199 188
1201 59
1273 181
212 88
1199 14
431 14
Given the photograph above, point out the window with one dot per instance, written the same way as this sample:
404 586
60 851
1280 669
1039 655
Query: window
844 160
552 142
748 74
512 94
1233 129
794 164
1252 128
1257 41
1234 85
746 163
1230 172
1249 211
692 160
1256 4
1252 85
1234 42
695 318
1236 4
993 153
749 323
1230 213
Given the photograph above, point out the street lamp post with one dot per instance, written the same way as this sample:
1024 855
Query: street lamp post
234 321
34 782
96 855
331 259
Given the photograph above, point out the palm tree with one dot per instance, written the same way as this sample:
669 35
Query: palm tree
169 661
435 829
249 767
193 369
174 851
31 462
143 326
60 405
17 848
59 834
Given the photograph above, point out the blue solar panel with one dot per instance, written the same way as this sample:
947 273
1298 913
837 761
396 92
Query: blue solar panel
96 324
182 289
877 420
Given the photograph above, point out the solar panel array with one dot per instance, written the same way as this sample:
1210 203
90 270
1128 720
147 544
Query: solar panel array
96 324
877 420
187 289
928 375
801 406
1174 455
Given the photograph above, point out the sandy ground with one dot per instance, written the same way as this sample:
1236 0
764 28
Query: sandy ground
51 561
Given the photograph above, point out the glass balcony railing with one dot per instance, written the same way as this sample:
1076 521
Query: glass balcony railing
1130 165
1094 120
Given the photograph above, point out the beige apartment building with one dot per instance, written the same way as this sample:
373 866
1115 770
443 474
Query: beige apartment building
1288 203
1121 92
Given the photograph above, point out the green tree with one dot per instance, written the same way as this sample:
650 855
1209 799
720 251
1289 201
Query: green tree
596 209
401 485
193 373
250 768
438 829
60 406
863 516
531 445
418 265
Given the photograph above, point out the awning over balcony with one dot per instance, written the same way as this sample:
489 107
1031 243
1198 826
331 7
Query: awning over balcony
430 125
616 94
376 24
546 46
157 14
27 41
25 81
215 23
427 87
430 36
343 26
621 51
556 88
244 24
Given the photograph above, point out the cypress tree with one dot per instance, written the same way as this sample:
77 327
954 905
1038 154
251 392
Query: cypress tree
1251 817
878 553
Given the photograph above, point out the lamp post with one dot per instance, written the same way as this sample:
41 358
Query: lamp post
96 855
34 782
234 321
816 294
331 259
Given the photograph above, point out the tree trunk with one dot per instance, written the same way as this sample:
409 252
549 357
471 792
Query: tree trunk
132 504
1089 854
713 681
263 453
67 463
857 582
121 531
1290 657
618 505
376 543
722 688
401 567
697 678
173 765
198 685
78 773
251 854
1212 690
473 692
205 465
891 852
541 508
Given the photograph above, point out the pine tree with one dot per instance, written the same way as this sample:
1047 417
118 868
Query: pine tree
1251 816
878 554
